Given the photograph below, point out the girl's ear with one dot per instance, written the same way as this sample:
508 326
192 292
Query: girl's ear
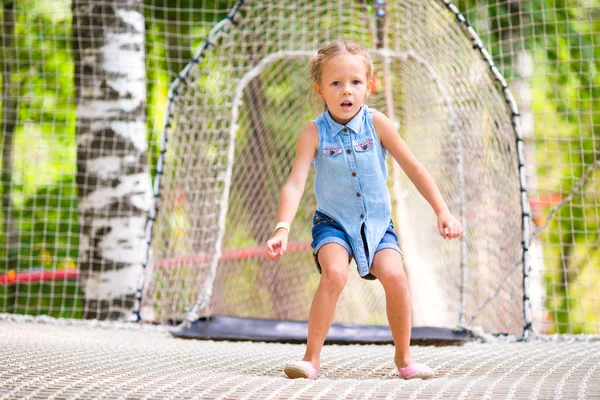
373 85
317 90
370 90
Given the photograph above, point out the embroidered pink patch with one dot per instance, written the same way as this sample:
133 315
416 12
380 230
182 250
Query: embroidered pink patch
364 145
332 151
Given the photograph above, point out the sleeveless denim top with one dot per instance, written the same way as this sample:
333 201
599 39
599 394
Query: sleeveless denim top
350 182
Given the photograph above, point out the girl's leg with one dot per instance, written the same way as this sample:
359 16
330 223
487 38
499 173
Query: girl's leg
388 268
333 260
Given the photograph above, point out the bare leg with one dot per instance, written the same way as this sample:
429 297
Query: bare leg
333 259
387 267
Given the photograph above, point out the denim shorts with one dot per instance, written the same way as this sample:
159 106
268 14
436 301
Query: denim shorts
326 230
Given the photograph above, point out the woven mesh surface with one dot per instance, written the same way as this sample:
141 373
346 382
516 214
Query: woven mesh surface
41 361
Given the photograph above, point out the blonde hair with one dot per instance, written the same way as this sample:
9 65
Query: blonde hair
333 50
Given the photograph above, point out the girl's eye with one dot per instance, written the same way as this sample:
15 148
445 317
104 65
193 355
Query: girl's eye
356 82
335 84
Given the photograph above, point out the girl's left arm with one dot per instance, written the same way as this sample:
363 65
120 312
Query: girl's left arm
448 225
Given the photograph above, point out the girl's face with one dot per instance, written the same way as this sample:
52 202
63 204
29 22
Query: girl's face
344 86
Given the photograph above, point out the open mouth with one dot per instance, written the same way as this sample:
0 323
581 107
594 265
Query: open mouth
346 105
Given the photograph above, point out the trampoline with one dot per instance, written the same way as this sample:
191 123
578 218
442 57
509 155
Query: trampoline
203 315
68 359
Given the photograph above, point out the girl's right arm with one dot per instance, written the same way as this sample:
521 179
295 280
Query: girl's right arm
291 193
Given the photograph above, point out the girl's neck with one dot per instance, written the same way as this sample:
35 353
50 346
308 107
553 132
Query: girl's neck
342 122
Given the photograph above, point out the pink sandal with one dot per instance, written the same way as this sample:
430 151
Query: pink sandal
416 371
300 369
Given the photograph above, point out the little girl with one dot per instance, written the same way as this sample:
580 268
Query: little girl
348 144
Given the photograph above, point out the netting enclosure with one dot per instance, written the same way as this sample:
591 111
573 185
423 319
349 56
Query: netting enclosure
235 120
81 141
77 176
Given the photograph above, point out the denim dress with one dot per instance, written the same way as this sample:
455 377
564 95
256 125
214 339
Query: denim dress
350 182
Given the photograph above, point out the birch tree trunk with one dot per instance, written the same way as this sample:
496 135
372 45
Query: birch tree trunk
113 179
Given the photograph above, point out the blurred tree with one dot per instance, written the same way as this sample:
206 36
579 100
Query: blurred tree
113 178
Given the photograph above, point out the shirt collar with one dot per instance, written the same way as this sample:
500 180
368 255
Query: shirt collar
354 124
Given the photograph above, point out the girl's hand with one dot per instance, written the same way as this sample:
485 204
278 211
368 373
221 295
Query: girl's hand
277 245
449 226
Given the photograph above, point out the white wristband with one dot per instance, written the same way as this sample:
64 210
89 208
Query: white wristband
283 225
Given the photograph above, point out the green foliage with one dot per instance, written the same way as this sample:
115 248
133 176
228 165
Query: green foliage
59 299
48 224
573 88
187 10
562 37
44 194
43 82
48 240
